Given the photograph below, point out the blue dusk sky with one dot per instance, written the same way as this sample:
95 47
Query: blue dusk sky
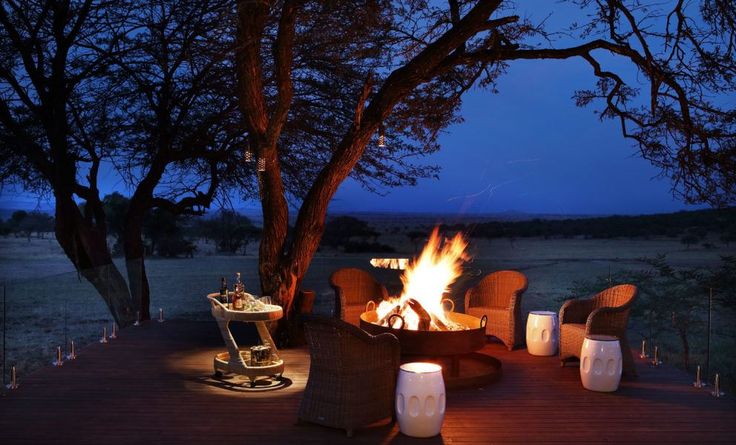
530 149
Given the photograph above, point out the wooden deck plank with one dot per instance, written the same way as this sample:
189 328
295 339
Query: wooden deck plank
154 385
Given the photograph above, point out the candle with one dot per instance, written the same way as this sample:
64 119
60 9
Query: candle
72 353
104 335
160 315
698 383
717 387
13 379
58 361
114 333
655 360
643 349
137 318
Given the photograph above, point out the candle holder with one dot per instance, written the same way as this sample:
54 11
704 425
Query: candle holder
104 335
717 387
72 352
643 354
59 362
13 379
137 318
160 315
699 383
655 360
114 331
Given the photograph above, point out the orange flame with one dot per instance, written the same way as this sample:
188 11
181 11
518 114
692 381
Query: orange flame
427 278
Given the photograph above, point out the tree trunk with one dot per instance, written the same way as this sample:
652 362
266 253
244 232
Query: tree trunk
135 264
86 246
285 284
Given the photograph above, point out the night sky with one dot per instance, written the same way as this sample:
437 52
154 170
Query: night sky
530 149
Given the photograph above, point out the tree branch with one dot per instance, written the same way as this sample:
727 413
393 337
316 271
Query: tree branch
283 57
252 16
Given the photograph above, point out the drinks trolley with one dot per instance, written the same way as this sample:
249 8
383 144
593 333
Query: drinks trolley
239 361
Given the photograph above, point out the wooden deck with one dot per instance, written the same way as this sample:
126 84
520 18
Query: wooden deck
154 385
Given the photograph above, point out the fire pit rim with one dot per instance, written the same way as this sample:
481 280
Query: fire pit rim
434 343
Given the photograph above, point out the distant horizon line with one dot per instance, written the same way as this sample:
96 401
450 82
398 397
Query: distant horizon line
508 212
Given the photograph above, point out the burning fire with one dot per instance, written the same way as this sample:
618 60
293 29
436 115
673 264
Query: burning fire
425 281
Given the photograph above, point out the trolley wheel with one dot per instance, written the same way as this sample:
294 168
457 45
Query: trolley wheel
218 374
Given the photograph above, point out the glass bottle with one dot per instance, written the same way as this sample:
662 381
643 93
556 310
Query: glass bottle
238 294
223 291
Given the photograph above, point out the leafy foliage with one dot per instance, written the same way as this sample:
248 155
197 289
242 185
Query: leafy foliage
25 224
341 230
231 231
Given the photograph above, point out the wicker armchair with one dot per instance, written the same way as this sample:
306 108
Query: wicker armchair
352 375
353 289
605 314
498 296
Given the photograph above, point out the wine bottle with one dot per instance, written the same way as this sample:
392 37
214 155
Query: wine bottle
238 295
223 291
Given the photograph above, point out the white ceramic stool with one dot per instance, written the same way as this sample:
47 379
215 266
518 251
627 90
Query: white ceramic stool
420 399
600 363
542 333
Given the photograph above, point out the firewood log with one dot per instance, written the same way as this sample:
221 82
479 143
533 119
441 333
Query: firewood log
441 326
424 317
384 320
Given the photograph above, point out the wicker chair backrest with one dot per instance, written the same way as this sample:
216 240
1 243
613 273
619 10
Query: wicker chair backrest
357 286
622 295
496 289
334 343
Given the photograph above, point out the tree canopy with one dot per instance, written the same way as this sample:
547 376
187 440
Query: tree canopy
176 97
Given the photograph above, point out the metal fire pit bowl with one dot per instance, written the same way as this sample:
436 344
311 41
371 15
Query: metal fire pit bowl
433 343
455 351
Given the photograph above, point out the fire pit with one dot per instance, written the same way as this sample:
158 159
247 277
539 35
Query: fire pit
427 326
430 343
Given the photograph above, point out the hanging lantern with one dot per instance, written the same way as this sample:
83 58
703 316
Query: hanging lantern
248 154
382 136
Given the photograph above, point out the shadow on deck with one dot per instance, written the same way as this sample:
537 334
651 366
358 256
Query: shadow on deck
154 385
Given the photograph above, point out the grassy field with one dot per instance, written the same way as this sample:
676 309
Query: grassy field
47 303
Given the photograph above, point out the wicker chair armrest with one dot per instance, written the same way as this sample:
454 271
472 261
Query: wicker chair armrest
468 294
390 341
606 320
575 311
339 301
515 300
